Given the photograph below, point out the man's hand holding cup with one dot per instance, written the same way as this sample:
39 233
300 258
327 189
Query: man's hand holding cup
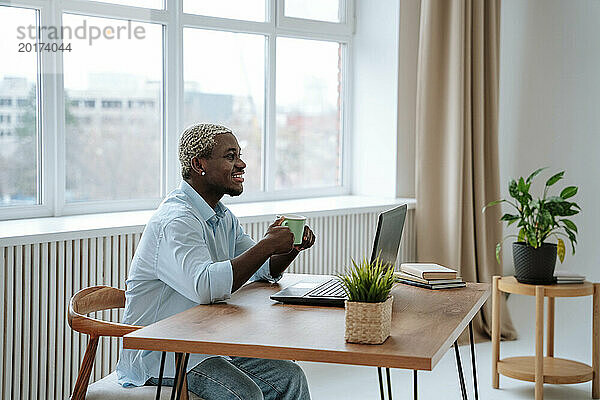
304 237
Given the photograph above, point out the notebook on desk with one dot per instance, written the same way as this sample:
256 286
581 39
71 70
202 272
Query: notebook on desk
327 291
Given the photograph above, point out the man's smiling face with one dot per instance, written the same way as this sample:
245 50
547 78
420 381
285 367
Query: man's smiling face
225 169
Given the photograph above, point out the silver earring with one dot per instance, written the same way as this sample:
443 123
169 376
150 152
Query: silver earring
203 173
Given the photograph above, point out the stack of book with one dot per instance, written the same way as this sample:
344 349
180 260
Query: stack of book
430 276
568 277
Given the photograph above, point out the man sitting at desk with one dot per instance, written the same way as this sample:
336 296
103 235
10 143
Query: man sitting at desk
194 251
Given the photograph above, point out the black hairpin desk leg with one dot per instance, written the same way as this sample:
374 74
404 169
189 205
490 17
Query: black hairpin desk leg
415 392
389 383
461 377
182 374
160 374
473 366
380 383
178 359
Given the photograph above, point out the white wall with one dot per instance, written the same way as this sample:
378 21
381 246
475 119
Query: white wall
550 116
384 90
375 94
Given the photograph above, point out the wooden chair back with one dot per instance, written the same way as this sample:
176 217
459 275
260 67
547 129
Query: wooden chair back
97 298
88 300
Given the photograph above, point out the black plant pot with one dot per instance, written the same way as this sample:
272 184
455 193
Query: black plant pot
534 266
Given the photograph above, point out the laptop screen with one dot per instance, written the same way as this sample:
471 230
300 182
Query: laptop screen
389 233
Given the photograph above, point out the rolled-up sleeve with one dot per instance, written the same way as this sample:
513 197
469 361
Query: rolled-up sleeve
264 274
187 265
242 243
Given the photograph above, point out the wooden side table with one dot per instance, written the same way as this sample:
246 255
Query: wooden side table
549 369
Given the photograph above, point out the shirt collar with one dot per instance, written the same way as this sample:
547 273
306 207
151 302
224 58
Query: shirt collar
206 212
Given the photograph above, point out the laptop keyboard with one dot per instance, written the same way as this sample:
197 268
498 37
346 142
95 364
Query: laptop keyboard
331 288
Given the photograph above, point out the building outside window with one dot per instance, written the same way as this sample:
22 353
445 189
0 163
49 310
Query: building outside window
20 144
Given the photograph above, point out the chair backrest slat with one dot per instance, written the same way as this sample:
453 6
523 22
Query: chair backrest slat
97 298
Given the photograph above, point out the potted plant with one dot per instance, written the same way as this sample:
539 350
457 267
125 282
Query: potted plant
538 220
369 304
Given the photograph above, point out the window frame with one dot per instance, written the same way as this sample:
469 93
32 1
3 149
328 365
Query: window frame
343 28
51 119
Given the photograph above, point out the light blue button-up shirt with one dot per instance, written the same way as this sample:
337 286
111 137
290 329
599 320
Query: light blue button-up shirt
182 260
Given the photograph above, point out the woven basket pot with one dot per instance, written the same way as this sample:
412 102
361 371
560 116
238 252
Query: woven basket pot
368 323
534 266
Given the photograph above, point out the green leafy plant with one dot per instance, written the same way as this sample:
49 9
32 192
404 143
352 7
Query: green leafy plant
540 218
368 282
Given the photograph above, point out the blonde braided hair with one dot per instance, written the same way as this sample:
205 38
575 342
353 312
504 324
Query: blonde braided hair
197 140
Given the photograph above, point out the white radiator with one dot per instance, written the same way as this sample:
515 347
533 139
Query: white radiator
41 354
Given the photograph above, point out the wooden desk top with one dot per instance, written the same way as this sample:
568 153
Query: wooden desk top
425 323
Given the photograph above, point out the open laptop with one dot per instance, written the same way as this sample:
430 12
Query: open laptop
327 291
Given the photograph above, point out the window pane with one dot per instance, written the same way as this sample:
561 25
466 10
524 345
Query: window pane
113 112
18 110
137 3
224 84
322 10
251 10
308 140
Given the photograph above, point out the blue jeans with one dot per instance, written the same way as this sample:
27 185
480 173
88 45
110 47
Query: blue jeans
244 378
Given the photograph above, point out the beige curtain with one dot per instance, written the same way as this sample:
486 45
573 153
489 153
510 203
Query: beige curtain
457 142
